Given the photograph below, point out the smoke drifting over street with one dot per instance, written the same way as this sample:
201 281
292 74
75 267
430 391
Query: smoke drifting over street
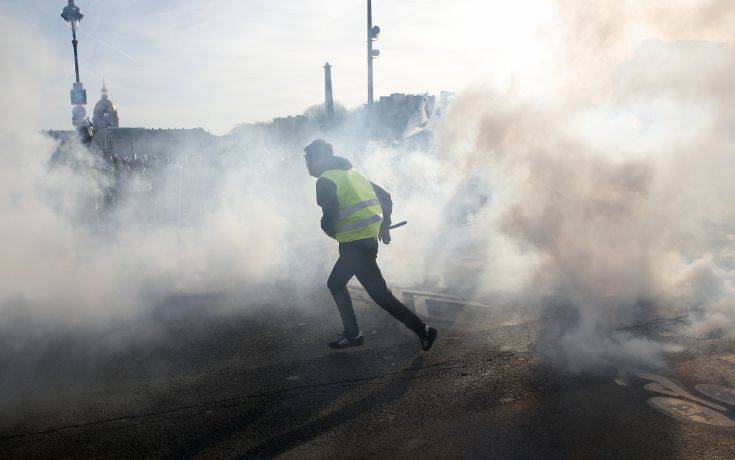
605 189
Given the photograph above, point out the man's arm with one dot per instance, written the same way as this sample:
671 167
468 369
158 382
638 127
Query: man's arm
326 198
387 205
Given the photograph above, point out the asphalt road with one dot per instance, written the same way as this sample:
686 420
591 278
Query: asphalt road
261 383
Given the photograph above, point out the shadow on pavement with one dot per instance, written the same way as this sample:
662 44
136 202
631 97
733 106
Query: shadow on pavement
388 393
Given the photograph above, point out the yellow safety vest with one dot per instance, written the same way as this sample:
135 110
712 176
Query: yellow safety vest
360 213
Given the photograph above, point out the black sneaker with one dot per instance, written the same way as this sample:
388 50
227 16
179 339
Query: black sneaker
427 340
347 342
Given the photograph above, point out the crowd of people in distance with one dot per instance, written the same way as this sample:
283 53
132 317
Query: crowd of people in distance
117 178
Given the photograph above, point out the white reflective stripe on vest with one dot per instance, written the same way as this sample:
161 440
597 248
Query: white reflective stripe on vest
359 224
350 210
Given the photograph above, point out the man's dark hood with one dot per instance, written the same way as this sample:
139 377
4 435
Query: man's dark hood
338 163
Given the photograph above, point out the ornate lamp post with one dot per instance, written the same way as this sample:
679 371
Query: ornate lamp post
372 35
72 15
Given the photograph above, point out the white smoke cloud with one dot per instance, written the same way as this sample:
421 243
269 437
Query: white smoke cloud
611 197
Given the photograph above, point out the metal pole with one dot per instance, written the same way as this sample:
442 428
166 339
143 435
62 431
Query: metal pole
78 94
370 50
76 56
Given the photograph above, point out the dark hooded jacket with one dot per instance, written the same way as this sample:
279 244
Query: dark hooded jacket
326 197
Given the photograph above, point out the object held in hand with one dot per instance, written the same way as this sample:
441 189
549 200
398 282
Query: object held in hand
399 224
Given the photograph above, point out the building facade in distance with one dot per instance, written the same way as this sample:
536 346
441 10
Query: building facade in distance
105 112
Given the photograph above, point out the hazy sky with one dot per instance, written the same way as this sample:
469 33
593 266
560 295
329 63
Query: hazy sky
216 63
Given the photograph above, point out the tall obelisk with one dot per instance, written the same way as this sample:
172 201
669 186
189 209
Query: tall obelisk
328 95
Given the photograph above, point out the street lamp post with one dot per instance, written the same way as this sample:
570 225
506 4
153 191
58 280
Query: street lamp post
372 35
72 15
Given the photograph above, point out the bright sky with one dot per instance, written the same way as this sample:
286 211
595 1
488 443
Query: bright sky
217 63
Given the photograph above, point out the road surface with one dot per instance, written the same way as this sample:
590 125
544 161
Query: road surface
261 383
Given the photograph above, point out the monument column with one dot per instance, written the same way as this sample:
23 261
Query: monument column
328 95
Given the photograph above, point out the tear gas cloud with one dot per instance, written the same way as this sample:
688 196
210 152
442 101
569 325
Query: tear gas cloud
606 189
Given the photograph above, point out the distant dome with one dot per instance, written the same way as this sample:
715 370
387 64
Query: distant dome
105 112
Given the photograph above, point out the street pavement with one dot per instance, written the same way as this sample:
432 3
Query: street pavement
260 382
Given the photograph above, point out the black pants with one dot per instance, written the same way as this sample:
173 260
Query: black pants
358 258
